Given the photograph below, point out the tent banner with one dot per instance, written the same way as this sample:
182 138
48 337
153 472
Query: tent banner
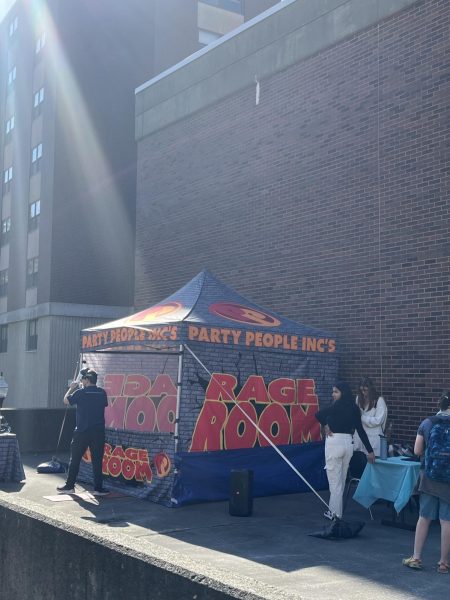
136 464
248 397
142 390
205 476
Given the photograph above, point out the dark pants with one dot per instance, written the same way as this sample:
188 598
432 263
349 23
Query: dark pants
94 439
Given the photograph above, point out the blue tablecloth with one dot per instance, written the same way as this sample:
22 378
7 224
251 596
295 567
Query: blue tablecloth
392 479
11 467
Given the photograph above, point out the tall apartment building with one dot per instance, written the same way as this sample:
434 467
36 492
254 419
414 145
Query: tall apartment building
68 72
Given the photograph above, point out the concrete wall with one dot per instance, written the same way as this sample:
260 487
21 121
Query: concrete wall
44 558
38 429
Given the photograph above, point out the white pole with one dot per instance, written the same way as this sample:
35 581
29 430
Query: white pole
177 411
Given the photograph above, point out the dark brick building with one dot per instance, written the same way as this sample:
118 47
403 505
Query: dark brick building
305 161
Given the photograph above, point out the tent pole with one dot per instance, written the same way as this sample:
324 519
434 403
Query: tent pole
177 412
286 460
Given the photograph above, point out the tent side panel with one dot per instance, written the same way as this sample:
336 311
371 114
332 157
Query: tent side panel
205 476
279 391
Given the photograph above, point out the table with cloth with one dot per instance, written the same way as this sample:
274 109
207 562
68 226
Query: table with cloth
392 479
11 467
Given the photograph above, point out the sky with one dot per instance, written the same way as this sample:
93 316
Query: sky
4 7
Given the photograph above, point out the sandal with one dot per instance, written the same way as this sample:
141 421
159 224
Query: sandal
442 568
412 563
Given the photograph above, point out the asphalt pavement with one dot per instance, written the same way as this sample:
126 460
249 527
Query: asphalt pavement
270 551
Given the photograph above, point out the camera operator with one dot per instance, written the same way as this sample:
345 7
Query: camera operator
89 432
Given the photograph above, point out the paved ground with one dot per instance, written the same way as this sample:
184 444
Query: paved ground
272 546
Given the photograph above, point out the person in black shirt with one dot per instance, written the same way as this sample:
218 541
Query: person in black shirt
339 421
89 432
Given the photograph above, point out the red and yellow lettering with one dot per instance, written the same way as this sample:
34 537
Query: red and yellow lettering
166 414
114 466
136 385
119 452
143 471
86 342
221 387
131 453
274 421
163 385
113 384
115 412
128 469
282 390
304 426
207 434
239 431
254 389
306 392
141 414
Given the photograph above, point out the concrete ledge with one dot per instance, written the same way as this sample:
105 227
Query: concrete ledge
289 32
44 557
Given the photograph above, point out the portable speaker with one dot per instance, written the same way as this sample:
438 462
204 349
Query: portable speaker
241 498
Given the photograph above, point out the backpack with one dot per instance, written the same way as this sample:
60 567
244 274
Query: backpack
437 453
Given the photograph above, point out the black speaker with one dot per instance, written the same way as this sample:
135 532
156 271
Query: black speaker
241 497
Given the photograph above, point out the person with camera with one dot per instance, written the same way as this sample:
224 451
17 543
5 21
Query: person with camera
89 432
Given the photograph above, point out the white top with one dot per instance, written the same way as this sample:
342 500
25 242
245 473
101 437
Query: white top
373 421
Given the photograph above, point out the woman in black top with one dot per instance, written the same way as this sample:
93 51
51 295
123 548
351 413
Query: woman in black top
339 421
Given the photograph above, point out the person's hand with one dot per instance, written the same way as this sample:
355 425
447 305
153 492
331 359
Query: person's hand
327 431
371 458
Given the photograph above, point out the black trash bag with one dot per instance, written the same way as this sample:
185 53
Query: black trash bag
337 529
52 466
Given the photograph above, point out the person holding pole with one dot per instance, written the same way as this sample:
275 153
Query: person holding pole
89 432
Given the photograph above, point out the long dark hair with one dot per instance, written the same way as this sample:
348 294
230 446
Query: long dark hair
444 402
346 392
373 394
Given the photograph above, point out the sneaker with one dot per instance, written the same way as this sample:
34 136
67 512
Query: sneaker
65 489
328 515
101 492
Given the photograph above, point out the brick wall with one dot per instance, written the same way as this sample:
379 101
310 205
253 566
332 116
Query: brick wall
327 202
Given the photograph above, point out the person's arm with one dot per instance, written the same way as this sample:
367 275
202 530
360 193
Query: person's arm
380 416
419 445
72 389
322 415
363 436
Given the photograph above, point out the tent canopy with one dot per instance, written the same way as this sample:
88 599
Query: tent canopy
207 310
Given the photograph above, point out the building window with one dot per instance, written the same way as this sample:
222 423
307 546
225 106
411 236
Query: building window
36 155
232 5
40 42
7 178
32 337
33 215
12 76
9 125
6 228
3 338
32 272
3 282
37 103
13 26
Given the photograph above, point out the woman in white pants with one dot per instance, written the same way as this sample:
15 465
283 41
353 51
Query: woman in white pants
339 421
